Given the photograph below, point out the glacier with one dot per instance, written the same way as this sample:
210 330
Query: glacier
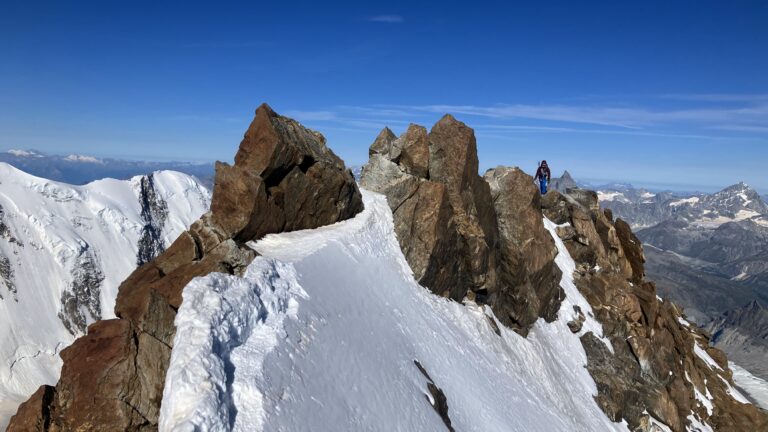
323 332
67 250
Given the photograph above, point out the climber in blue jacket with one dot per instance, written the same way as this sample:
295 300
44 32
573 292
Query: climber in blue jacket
543 175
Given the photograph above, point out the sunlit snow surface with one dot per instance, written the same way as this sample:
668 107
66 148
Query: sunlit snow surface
322 332
52 222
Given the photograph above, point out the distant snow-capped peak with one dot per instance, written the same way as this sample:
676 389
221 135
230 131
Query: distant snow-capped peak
735 203
24 153
82 158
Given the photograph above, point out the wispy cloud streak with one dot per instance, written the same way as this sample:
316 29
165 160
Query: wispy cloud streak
391 19
739 117
629 118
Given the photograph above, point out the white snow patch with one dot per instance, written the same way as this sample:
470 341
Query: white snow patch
741 276
691 200
683 321
715 221
756 388
702 354
704 400
344 358
611 196
698 425
656 425
746 214
647 195
733 392
744 198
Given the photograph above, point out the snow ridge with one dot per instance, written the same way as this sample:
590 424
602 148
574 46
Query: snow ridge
224 320
323 331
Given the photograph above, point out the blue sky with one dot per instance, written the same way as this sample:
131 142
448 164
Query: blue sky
672 93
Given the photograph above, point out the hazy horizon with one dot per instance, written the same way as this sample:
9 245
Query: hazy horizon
650 185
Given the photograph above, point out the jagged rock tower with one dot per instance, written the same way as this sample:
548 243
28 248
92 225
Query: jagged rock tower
284 178
460 233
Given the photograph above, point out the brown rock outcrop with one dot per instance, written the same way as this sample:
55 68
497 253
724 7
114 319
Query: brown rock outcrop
528 278
284 178
452 224
34 414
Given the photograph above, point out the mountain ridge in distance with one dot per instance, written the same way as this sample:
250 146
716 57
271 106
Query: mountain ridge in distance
79 169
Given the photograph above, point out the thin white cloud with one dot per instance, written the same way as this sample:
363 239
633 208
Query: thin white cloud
391 19
741 128
633 132
718 97
190 118
629 118
311 115
695 120
225 44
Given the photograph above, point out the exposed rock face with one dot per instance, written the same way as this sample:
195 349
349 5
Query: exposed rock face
6 275
528 277
6 268
5 231
454 227
438 400
81 304
284 178
655 369
154 212
34 415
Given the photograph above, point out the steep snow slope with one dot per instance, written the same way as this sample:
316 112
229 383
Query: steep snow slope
64 250
323 331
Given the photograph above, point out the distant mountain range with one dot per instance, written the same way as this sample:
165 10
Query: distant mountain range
81 169
709 254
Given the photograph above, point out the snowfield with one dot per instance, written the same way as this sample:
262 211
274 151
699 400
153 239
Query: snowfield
56 237
611 196
323 331
684 201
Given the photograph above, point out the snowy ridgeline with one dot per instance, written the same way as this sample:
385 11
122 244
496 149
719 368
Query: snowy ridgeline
64 250
323 332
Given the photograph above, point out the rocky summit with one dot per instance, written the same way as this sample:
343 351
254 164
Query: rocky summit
463 234
284 178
